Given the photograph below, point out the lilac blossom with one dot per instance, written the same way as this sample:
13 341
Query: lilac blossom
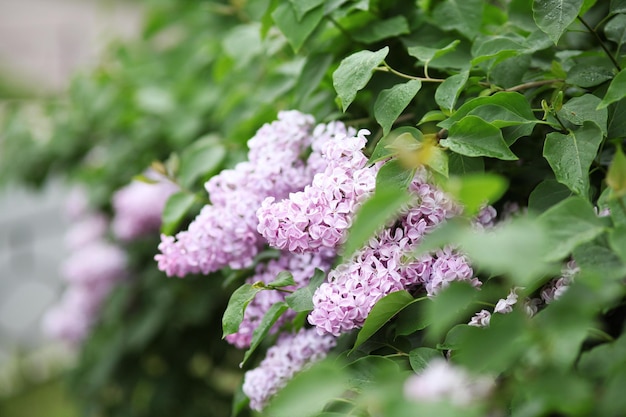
95 263
225 232
442 381
85 230
138 207
319 216
291 354
481 319
301 266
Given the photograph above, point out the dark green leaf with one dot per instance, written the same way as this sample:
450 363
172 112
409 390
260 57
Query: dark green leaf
498 48
383 311
264 327
233 316
571 155
578 110
464 16
420 357
382 207
301 299
448 91
296 30
175 210
301 7
569 224
200 159
615 29
283 279
554 16
616 176
460 165
412 318
547 194
588 75
618 6
382 29
354 73
449 306
617 120
593 258
616 91
426 54
312 74
394 175
391 102
472 136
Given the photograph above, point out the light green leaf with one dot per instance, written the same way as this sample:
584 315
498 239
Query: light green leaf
386 308
201 159
477 189
175 210
432 116
311 76
391 102
233 316
617 120
243 44
472 136
269 319
421 356
296 30
616 176
354 73
448 91
547 194
615 29
426 54
450 305
569 224
570 156
616 91
387 145
283 279
412 318
301 299
498 48
382 29
382 207
302 7
554 16
578 110
617 241
460 165
464 16
394 175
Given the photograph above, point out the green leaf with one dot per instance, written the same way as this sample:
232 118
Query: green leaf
472 136
311 76
412 318
588 75
617 119
598 260
476 189
243 44
460 165
301 299
420 357
448 91
615 29
578 110
269 319
391 102
387 145
497 48
618 6
202 158
394 175
570 156
233 316
554 16
302 7
309 391
426 54
616 91
296 30
354 73
448 307
382 29
283 279
616 176
386 308
464 16
547 194
382 207
569 224
175 210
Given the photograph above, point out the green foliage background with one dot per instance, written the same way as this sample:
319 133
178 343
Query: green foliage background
521 101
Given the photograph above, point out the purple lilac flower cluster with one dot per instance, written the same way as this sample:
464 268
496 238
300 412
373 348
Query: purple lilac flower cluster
301 266
91 271
139 205
553 290
319 216
291 354
443 381
380 268
225 232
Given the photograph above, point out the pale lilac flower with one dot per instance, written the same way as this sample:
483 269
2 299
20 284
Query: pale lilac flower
76 203
531 306
442 381
481 319
138 207
97 262
301 266
449 265
486 218
557 287
291 354
85 230
505 305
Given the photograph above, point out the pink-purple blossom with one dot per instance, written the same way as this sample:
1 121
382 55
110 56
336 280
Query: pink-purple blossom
291 354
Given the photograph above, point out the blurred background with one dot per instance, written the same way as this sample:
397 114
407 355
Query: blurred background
42 44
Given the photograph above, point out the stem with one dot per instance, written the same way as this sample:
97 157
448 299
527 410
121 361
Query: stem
279 289
387 68
533 84
601 334
595 33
